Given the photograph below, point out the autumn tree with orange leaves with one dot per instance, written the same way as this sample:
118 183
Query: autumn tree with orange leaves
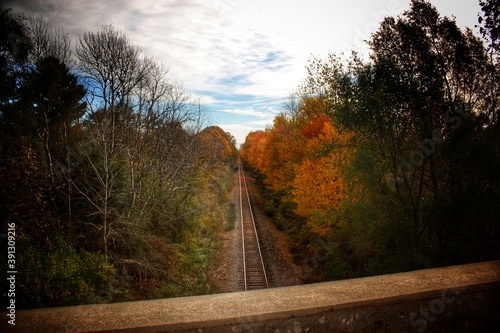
319 183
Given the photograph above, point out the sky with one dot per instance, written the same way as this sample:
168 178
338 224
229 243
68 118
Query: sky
242 57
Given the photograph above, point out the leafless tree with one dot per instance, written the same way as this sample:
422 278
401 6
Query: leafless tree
141 151
112 68
48 41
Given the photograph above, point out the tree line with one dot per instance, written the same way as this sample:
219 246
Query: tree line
391 163
115 187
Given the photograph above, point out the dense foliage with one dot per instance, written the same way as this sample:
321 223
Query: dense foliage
115 191
391 163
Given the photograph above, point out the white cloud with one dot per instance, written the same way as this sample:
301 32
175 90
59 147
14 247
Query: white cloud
249 112
205 99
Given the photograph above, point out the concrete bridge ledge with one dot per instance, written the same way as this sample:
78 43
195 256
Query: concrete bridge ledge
462 298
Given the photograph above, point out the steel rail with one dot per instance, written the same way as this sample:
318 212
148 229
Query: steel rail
242 229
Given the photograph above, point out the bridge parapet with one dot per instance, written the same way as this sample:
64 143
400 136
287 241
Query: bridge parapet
463 298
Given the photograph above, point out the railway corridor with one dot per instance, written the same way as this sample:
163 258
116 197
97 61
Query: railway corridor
253 271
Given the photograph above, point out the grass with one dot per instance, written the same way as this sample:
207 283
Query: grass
231 217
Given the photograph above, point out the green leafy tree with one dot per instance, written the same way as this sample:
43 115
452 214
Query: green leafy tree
426 87
490 21
490 29
420 107
50 102
15 46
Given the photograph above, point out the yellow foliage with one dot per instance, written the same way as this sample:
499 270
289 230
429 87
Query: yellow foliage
319 184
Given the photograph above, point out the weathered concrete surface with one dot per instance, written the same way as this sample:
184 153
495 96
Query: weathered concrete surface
452 299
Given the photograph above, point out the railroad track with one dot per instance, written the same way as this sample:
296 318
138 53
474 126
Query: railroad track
254 271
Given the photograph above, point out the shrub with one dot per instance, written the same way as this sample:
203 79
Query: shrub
62 276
